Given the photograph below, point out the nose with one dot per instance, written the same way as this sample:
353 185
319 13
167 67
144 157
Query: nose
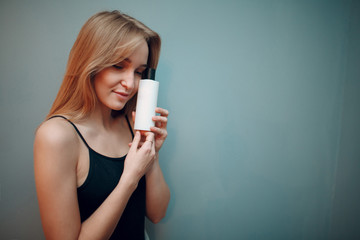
128 80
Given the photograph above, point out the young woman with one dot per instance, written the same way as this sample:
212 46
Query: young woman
95 178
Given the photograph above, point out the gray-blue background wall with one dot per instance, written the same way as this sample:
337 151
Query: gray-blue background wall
265 109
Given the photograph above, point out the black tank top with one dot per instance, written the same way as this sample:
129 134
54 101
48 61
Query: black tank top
104 174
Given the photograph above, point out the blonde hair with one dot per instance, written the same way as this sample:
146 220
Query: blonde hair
107 38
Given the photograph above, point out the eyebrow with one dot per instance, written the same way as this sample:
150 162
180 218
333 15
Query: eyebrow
129 61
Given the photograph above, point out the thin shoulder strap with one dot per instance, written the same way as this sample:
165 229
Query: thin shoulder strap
76 129
128 122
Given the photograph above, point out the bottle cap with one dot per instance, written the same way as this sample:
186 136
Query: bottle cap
148 73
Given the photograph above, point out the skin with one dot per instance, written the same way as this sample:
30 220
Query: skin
61 159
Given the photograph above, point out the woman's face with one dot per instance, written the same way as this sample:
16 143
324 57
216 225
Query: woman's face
115 86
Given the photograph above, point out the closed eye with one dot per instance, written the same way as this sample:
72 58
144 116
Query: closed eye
118 67
140 71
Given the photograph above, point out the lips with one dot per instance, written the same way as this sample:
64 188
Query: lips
122 95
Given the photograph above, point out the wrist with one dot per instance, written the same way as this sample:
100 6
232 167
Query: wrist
155 165
128 182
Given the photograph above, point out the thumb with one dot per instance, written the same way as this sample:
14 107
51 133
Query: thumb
136 140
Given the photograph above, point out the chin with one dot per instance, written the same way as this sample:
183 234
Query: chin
117 108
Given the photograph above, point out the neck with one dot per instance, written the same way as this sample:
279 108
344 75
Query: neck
102 117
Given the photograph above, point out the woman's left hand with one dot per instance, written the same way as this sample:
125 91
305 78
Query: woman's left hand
159 129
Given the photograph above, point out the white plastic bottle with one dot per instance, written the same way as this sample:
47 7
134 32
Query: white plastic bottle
146 100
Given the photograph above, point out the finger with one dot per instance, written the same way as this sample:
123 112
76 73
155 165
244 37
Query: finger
148 144
139 145
150 139
136 140
150 136
162 111
162 133
162 119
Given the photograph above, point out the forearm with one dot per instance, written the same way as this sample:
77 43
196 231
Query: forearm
101 224
157 193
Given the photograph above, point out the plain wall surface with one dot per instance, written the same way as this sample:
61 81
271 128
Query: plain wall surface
263 98
346 208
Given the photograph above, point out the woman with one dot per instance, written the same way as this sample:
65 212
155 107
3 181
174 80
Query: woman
92 183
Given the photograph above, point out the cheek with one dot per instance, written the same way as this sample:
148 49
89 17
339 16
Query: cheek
98 88
101 89
136 87
134 93
103 82
135 90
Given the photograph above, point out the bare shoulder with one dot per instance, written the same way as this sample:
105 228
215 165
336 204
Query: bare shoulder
56 138
56 131
55 158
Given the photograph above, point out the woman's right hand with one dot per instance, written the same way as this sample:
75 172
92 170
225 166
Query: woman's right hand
140 156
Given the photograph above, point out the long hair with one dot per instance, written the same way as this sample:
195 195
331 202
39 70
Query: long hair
107 38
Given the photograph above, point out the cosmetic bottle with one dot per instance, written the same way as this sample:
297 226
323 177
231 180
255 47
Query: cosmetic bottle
146 100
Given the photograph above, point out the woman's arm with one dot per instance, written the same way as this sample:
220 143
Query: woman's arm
157 193
56 150
157 190
55 158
